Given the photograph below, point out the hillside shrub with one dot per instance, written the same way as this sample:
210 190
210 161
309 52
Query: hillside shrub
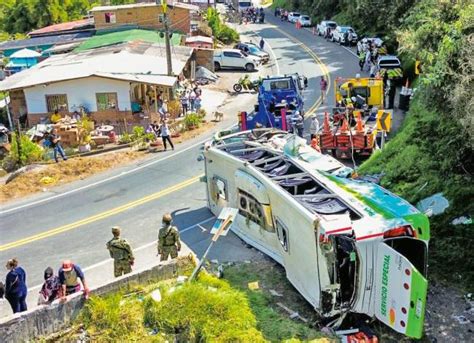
30 151
220 30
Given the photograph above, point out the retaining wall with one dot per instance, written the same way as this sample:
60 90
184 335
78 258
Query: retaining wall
48 319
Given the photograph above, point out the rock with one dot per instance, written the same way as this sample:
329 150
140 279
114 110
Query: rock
275 293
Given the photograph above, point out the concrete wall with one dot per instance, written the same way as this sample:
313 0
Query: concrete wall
79 92
46 320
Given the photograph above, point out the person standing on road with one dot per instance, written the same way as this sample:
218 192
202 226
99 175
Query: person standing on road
169 242
15 286
54 142
165 133
323 85
68 275
121 252
314 127
261 43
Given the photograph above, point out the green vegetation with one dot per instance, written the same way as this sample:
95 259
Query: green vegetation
192 120
30 152
433 150
220 30
207 310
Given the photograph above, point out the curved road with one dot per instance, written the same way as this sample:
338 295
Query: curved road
74 221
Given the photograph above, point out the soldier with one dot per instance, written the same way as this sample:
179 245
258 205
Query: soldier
121 252
168 239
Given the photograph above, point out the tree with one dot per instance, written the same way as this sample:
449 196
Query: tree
76 9
19 17
48 12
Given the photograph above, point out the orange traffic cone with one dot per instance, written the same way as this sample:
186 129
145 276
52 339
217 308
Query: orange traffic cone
344 127
326 125
360 125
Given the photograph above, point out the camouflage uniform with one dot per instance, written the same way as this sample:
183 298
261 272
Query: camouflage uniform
168 241
122 254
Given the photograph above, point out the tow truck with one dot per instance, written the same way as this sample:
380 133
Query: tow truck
357 120
279 97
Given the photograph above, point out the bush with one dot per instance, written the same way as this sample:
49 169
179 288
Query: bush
113 319
30 152
192 120
220 30
205 311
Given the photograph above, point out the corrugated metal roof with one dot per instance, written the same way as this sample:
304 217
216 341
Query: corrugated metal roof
46 40
105 39
147 4
70 25
121 63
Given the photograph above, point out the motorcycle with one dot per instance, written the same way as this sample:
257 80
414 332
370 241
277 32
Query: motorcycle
245 83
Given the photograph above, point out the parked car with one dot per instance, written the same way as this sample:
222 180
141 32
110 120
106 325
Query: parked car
293 17
253 50
234 59
339 33
305 20
324 25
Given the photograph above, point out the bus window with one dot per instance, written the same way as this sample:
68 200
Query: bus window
250 208
282 233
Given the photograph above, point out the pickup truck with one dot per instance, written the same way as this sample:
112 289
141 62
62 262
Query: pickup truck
234 59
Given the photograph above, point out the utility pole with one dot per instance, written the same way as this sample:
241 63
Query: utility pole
169 65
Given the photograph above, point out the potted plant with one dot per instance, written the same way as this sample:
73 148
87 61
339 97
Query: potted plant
192 121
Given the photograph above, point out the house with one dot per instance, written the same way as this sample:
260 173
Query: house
109 83
144 15
20 60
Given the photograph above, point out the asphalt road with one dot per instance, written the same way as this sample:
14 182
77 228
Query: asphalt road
74 221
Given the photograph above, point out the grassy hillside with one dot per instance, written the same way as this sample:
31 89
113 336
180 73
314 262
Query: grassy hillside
433 150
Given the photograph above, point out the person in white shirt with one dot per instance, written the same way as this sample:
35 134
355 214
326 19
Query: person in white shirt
314 127
165 134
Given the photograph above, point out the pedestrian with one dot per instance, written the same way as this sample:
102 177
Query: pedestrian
323 85
197 90
68 274
166 134
51 288
168 239
184 104
54 142
197 103
261 43
299 123
121 251
314 127
15 286
192 98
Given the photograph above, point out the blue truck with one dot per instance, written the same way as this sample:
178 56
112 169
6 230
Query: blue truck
279 98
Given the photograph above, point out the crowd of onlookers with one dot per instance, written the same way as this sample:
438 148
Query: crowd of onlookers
70 279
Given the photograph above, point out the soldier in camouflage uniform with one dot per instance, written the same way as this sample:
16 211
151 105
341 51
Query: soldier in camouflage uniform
121 252
168 239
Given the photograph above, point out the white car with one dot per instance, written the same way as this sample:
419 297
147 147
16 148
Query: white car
324 25
293 17
235 59
304 20
338 35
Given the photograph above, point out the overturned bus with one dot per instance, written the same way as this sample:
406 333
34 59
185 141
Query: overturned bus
346 245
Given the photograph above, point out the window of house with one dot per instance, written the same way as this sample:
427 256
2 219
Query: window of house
57 102
282 233
110 18
106 101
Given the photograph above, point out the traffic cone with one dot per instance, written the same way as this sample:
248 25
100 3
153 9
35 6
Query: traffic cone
326 125
344 127
360 125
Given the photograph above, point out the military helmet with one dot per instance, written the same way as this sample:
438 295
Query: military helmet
167 218
116 230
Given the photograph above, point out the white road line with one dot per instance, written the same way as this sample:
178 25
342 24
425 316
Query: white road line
99 264
13 209
352 52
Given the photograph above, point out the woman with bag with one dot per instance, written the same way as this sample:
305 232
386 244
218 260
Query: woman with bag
15 286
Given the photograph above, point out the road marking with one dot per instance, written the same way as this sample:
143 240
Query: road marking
40 201
100 216
321 64
101 263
